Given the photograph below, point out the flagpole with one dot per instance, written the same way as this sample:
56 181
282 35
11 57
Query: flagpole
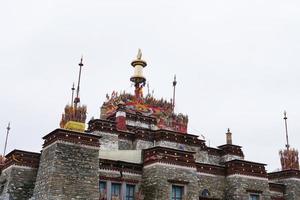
7 132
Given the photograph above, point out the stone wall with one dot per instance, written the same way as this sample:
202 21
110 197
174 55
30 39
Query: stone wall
108 141
213 159
142 144
240 187
158 179
125 144
292 191
169 144
201 156
229 157
213 183
17 182
68 171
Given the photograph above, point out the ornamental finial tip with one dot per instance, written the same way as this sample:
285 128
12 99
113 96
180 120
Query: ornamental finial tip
284 114
81 61
139 55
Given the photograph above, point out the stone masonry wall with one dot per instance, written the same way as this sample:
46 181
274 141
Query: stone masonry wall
68 171
292 191
176 145
239 187
125 144
214 184
17 182
213 159
229 157
108 141
158 178
201 156
142 144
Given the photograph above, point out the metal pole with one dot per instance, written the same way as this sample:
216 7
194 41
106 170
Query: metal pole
7 132
80 66
174 88
286 131
72 100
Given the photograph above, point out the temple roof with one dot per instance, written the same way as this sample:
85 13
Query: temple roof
148 106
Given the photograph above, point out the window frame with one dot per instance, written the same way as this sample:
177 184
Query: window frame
174 186
127 196
254 194
111 189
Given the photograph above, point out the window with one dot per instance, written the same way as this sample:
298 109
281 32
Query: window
254 197
205 193
102 188
115 191
130 192
177 192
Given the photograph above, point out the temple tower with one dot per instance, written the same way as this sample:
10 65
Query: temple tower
69 162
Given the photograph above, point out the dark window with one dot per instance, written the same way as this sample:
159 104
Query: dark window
115 190
254 197
1 189
130 192
102 189
205 193
177 192
102 186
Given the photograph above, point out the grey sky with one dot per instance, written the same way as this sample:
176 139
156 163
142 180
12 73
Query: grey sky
237 65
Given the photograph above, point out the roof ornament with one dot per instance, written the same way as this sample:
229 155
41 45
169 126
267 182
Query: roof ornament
77 99
72 99
7 133
139 55
286 130
288 157
138 78
228 137
74 116
174 90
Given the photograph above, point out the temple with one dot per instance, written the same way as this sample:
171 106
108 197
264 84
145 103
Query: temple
140 149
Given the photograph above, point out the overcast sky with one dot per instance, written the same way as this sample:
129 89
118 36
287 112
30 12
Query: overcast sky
237 65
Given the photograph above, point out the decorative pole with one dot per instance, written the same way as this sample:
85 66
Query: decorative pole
7 132
77 99
72 100
286 131
148 88
174 89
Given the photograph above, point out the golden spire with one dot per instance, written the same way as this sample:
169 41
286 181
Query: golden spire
138 78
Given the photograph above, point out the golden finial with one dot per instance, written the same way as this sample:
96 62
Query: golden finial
138 78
